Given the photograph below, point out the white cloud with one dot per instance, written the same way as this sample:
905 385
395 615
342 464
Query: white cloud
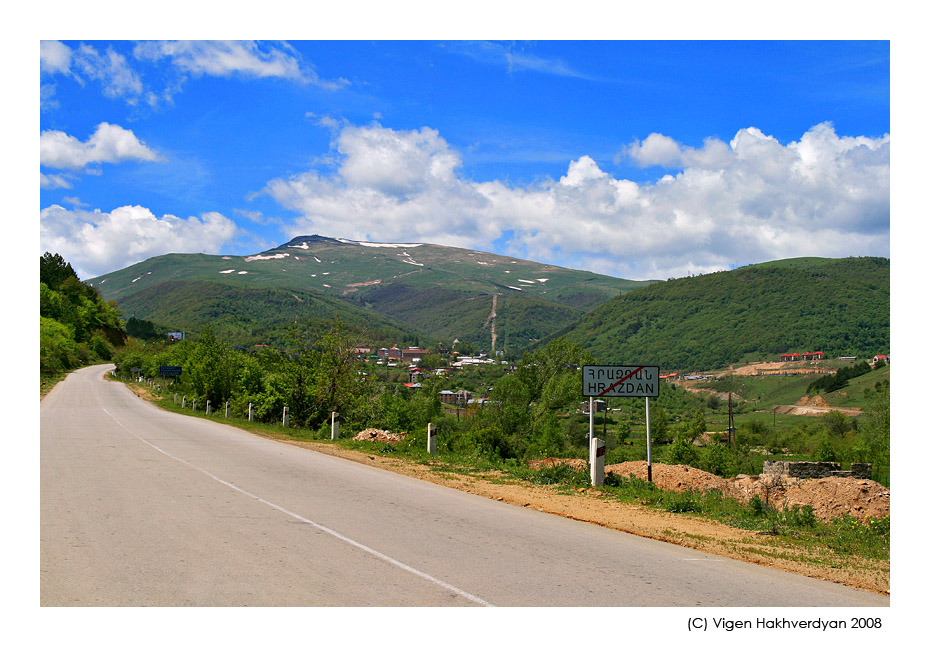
96 242
656 150
54 57
228 58
660 150
751 200
120 78
396 163
111 69
53 181
109 143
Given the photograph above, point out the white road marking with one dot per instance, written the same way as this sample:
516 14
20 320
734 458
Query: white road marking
341 537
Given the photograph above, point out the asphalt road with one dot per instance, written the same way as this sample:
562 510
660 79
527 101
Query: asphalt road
141 507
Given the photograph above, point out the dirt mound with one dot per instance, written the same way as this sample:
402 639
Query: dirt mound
670 477
828 497
378 436
812 401
579 464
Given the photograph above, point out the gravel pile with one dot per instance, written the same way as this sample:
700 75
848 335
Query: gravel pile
379 436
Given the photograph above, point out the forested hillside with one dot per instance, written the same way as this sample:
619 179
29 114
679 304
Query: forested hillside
431 292
838 306
249 315
76 326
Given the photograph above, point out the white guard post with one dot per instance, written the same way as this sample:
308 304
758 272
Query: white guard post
596 459
335 425
431 438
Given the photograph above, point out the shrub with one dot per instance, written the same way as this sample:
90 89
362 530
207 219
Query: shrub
717 459
681 452
681 502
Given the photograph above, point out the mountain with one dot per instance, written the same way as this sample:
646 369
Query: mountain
838 306
414 290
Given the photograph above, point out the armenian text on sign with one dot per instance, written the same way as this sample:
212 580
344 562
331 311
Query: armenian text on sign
622 381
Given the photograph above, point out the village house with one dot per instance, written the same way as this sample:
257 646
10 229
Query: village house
397 354
454 397
413 354
599 406
797 357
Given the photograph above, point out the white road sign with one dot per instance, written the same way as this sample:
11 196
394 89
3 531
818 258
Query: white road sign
623 381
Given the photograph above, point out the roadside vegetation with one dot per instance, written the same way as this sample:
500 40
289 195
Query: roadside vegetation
76 326
529 410
520 410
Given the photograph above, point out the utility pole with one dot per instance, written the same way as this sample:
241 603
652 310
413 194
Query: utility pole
731 429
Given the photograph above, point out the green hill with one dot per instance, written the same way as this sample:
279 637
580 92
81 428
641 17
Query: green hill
838 306
428 291
252 315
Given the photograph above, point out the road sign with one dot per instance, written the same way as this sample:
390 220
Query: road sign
169 370
622 381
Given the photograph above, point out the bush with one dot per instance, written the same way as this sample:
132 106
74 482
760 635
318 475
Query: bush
681 502
680 452
560 473
717 459
801 516
57 349
487 442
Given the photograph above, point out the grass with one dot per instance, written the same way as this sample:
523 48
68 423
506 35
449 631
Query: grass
796 527
794 534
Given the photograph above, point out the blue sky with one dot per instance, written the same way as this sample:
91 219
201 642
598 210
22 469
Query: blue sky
638 159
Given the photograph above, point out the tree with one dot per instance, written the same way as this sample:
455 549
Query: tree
209 368
837 423
697 425
524 404
658 424
53 270
141 328
873 442
57 350
76 325
324 375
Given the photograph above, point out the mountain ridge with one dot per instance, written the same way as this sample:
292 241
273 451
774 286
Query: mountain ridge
433 291
838 306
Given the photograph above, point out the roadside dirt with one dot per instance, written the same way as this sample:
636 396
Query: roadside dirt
815 405
770 368
828 497
592 506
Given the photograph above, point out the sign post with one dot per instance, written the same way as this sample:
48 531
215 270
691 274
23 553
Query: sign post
624 382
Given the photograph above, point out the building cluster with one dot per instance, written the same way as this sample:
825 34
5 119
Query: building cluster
801 357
